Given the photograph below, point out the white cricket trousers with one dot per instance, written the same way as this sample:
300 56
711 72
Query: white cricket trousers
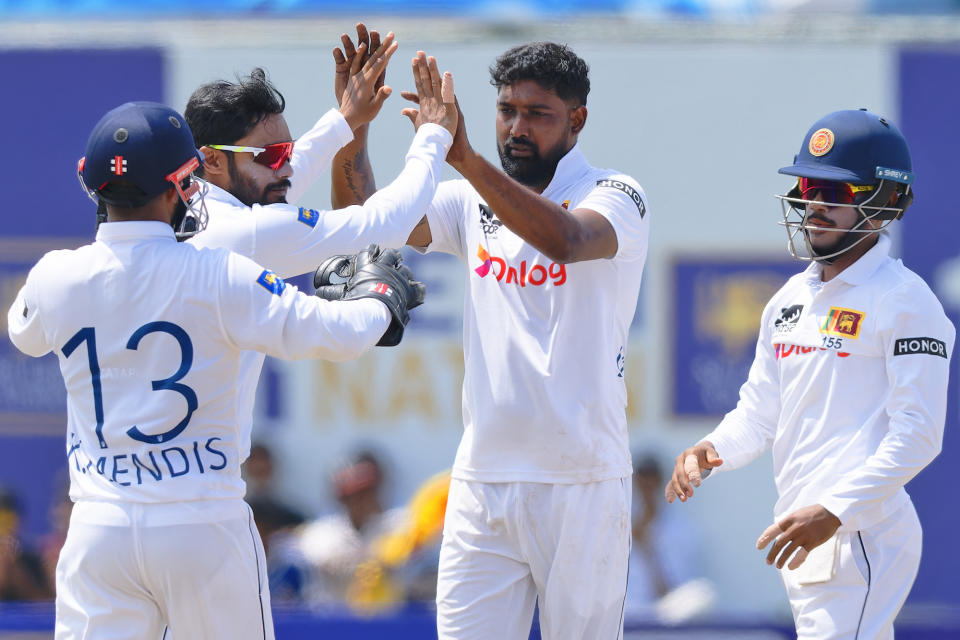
875 570
130 571
506 545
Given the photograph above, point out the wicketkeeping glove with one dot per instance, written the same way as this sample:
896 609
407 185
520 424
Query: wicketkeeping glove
373 274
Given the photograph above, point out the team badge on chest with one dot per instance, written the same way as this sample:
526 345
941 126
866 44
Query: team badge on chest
843 322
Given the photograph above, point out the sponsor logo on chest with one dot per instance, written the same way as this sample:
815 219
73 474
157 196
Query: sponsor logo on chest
782 351
488 221
525 274
787 322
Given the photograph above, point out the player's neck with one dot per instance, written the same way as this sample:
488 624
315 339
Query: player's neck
844 260
153 211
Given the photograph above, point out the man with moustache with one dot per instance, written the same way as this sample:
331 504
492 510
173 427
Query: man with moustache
848 388
554 250
253 167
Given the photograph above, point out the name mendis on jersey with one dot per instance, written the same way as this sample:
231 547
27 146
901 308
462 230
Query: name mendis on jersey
153 465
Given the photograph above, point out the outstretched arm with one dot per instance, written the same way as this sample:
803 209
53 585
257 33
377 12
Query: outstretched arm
352 181
561 235
360 94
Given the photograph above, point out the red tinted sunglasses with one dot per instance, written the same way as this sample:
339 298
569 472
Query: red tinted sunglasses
830 191
272 155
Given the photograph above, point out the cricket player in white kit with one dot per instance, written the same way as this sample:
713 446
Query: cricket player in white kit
848 388
253 167
150 335
554 249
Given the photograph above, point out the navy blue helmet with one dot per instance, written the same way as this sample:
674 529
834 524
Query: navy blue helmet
850 158
854 146
136 152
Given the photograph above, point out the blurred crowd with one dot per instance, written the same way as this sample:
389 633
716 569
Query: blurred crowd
372 558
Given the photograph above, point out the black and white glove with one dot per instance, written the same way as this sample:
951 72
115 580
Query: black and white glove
373 274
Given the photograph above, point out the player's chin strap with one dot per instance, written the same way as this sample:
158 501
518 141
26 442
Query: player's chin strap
796 214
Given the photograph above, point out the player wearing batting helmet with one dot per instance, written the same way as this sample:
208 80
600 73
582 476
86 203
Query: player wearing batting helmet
150 334
848 388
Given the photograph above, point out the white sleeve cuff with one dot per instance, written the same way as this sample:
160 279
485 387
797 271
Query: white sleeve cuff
430 142
338 125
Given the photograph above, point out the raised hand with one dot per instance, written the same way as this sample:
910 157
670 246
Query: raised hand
364 91
435 96
343 59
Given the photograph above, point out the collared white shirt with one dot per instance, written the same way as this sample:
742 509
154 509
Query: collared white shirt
544 343
848 387
293 240
149 334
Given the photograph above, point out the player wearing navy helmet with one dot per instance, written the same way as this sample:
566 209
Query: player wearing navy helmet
848 388
149 334
856 161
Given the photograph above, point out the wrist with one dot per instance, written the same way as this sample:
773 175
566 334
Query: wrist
360 132
353 120
465 162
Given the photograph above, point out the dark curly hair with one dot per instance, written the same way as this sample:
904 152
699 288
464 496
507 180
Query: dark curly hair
222 112
553 66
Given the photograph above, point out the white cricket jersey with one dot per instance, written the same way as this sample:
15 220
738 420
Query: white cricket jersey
149 333
544 343
849 387
293 240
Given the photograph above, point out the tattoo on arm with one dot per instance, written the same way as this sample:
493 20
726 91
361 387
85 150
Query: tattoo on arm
359 180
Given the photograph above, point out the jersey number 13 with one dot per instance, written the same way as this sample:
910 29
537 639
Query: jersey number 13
88 335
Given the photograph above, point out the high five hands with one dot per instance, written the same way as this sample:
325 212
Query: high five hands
359 75
435 97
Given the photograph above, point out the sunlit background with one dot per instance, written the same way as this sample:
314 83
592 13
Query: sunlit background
700 100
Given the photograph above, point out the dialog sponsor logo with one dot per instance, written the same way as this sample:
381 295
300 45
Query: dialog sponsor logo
786 350
532 274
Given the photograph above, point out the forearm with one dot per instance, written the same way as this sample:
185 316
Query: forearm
737 441
352 180
547 226
389 215
336 331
